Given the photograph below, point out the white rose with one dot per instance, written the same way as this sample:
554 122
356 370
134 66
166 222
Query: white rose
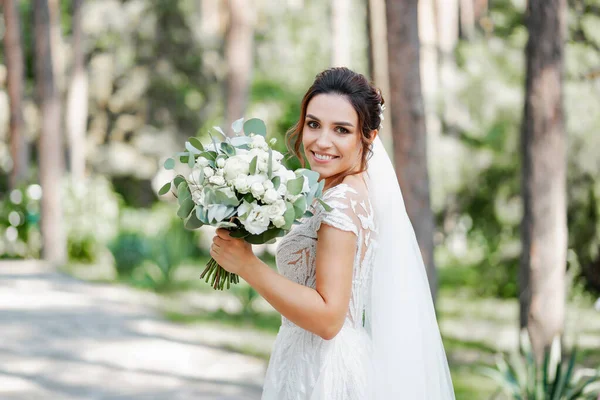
221 162
279 222
282 190
220 172
195 176
268 185
277 209
201 161
271 196
235 166
262 166
277 156
257 189
276 166
241 184
257 221
260 178
259 142
208 172
244 208
217 180
198 197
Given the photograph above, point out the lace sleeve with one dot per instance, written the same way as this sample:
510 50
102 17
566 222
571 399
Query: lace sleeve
344 201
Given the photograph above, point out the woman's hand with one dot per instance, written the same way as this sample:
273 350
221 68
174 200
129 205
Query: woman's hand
234 255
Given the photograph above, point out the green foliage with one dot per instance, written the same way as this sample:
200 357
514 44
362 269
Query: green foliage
129 250
522 378
19 223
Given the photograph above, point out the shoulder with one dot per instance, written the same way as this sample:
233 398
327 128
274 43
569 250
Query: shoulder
352 187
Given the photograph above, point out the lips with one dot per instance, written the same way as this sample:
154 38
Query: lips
322 157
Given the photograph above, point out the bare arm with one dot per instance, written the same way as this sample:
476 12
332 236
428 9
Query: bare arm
321 310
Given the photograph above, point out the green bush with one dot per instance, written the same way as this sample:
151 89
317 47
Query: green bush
130 250
521 378
20 235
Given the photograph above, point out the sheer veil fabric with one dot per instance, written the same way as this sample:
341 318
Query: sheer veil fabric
409 357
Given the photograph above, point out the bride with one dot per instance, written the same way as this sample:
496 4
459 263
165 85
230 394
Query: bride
357 317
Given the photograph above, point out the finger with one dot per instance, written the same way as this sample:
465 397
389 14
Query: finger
216 248
219 241
223 234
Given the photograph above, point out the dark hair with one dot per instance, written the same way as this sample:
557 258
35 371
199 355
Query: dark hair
364 97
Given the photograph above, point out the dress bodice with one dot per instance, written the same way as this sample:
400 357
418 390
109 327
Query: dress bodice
351 211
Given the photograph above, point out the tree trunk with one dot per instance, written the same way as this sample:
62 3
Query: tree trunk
340 33
239 45
51 162
77 107
378 60
15 70
544 226
408 124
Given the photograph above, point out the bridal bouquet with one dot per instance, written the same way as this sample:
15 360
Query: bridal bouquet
240 184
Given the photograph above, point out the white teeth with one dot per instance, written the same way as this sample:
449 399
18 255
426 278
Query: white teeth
323 157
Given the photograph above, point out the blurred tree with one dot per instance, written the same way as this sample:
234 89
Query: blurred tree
378 58
340 33
50 141
543 141
239 49
15 70
77 106
408 124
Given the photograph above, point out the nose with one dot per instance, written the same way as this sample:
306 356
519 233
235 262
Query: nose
324 139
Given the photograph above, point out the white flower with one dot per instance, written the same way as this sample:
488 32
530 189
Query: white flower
268 185
271 196
277 156
241 184
259 142
259 178
198 197
195 176
257 189
208 172
217 180
219 171
221 162
282 190
262 166
257 221
279 222
235 166
277 209
276 166
201 161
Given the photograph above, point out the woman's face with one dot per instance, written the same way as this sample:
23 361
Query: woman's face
331 135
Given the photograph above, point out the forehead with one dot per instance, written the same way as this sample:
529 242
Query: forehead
332 107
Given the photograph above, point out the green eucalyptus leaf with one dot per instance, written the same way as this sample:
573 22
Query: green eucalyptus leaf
240 141
196 143
185 208
264 237
210 155
184 158
276 182
192 149
313 176
165 189
178 179
300 207
256 126
326 206
294 186
289 216
248 197
270 165
228 149
169 163
238 126
253 165
308 214
192 222
191 161
201 214
183 192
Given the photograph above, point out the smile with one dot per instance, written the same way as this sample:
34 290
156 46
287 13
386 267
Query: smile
322 157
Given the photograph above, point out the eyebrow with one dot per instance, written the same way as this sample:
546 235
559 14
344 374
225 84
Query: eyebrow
341 123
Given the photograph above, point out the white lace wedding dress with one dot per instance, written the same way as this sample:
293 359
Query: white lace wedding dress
303 366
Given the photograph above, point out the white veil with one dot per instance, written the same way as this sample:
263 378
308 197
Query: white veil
410 361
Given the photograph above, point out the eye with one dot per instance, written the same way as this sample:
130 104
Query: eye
312 124
341 129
